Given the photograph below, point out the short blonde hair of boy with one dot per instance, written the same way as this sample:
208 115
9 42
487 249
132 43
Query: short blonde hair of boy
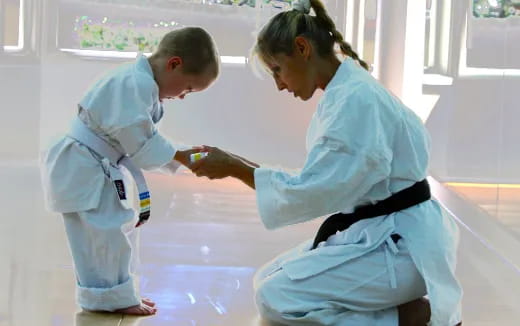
195 46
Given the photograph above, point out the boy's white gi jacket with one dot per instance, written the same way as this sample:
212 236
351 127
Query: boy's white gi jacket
122 108
364 145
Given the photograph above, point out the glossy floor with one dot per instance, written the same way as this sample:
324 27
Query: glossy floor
500 201
198 256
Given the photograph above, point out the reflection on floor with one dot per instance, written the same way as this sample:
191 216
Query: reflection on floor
502 201
198 254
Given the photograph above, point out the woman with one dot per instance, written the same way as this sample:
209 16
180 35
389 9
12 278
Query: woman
388 244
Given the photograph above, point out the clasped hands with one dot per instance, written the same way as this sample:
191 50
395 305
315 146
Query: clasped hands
218 164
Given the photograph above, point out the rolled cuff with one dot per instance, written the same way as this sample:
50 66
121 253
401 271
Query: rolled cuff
109 299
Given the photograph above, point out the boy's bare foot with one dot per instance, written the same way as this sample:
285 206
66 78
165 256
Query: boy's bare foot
138 310
414 313
148 302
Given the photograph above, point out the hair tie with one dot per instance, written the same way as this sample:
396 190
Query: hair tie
303 6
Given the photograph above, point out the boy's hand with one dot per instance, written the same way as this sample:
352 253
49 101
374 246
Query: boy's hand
183 157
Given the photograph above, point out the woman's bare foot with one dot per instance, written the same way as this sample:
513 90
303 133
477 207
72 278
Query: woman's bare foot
138 310
148 302
414 313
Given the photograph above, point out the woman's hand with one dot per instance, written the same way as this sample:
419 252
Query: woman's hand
183 156
217 165
220 164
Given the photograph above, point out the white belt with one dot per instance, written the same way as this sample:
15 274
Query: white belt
84 135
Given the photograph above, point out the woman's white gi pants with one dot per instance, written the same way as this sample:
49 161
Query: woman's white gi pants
364 291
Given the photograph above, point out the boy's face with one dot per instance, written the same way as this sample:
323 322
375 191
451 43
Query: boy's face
177 84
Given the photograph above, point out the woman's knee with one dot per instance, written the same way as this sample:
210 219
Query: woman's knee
272 298
264 293
265 272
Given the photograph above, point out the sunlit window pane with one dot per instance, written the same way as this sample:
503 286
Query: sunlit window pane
280 4
123 27
12 23
496 8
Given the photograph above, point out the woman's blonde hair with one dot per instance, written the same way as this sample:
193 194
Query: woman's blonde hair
278 35
196 48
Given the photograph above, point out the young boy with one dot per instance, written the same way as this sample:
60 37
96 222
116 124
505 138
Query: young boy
115 127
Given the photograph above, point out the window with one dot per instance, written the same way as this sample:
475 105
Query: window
13 25
281 4
496 8
437 37
119 28
115 34
430 33
489 45
278 4
360 28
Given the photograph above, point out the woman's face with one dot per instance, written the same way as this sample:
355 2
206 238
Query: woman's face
293 72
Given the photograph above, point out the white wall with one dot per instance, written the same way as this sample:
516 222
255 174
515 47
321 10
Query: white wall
20 106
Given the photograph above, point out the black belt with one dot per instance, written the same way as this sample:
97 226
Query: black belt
399 201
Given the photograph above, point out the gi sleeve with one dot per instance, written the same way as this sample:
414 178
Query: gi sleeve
130 123
350 154
147 148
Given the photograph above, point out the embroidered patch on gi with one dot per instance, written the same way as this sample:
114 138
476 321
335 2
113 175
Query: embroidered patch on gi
120 187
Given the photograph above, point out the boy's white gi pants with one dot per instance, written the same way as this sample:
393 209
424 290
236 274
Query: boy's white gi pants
101 242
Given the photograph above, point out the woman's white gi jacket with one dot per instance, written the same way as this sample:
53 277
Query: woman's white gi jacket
364 145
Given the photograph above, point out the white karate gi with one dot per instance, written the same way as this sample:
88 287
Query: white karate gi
363 145
122 108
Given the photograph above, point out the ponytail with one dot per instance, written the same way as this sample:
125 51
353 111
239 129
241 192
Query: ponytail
278 35
324 19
